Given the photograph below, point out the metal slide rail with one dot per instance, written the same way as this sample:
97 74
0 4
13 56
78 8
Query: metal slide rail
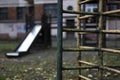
100 31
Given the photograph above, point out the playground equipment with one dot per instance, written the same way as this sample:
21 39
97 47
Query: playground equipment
25 45
100 31
37 37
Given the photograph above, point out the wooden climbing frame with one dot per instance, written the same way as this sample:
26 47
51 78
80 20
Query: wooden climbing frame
100 31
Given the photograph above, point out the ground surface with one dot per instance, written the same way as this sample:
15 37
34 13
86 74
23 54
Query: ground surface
41 63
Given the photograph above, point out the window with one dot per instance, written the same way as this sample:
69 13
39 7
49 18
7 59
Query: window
90 7
89 10
31 10
113 6
70 8
3 13
21 13
51 9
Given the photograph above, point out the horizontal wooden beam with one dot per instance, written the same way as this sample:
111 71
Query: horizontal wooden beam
111 31
111 12
80 67
85 78
81 49
110 50
85 1
78 30
87 48
87 63
90 66
91 31
79 12
86 16
102 67
110 69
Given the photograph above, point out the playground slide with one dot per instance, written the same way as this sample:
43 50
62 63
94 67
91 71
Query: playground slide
26 43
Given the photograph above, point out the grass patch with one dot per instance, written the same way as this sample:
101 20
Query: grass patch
6 45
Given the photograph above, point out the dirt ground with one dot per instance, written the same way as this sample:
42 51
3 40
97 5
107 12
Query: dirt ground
41 63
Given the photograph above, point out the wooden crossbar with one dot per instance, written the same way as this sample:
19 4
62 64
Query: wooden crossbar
88 63
86 16
111 12
83 77
79 12
80 49
80 67
85 1
102 67
111 31
87 48
110 69
91 31
111 50
78 30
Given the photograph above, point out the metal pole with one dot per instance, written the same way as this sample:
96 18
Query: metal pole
59 41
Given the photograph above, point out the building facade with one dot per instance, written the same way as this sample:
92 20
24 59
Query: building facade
12 15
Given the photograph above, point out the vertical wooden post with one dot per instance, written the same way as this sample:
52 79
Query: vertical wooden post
78 34
100 40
